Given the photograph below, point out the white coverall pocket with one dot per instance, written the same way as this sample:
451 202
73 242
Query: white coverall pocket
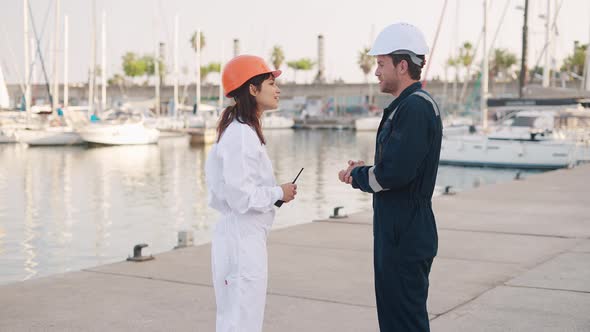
224 270
224 260
253 258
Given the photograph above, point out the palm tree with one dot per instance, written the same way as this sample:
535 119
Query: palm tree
133 65
450 63
293 65
212 67
465 59
193 41
466 55
277 56
574 63
366 62
501 65
118 80
502 62
150 66
453 63
304 64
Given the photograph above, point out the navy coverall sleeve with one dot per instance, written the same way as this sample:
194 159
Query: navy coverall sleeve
402 150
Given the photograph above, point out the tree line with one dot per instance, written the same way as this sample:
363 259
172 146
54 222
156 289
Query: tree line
503 64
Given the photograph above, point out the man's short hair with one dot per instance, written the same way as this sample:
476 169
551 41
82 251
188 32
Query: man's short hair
414 69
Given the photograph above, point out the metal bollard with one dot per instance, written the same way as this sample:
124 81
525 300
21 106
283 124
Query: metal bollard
185 239
137 257
336 215
448 191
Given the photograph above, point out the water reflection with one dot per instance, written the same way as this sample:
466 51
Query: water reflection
123 182
68 208
2 236
322 154
3 184
201 224
30 230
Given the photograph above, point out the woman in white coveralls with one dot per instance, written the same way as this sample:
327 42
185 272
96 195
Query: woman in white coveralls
242 188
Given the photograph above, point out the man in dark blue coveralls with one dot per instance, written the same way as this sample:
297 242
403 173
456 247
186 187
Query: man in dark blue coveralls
402 182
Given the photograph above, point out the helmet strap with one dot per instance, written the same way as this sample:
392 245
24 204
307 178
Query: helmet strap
416 60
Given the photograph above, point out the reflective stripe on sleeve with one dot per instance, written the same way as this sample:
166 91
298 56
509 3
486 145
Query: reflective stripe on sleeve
373 181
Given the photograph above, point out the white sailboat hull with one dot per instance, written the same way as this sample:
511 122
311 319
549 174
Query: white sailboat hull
4 98
372 124
49 136
479 150
202 135
7 136
367 124
4 139
277 122
123 134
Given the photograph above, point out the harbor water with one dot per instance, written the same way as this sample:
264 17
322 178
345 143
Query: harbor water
68 208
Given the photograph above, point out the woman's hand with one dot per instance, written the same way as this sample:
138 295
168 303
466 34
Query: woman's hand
289 191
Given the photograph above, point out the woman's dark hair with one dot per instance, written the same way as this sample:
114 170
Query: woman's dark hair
244 110
414 69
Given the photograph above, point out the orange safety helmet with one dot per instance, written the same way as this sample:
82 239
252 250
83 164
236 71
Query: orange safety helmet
242 68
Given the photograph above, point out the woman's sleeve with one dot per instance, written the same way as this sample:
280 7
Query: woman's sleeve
241 159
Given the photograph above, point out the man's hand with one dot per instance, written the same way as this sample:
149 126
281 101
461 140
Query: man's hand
344 175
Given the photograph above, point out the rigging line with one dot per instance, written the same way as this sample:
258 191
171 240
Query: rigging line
13 58
164 22
39 49
431 55
496 33
498 28
553 26
45 21
38 42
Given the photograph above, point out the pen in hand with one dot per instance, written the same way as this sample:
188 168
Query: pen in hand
280 202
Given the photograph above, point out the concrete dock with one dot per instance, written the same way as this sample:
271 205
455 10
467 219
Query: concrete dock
512 257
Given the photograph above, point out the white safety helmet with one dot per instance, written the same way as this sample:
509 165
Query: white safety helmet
401 38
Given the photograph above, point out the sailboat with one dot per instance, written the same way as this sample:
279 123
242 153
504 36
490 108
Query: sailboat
451 125
4 98
57 135
525 141
273 120
57 130
6 133
120 128
528 139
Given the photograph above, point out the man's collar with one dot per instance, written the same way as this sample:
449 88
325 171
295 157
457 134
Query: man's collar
407 91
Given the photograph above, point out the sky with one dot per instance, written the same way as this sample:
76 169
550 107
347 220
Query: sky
347 27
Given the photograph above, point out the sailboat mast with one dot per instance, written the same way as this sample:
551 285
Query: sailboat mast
27 60
484 69
176 65
547 65
66 48
431 55
92 62
220 100
523 64
103 61
56 60
198 81
586 79
157 79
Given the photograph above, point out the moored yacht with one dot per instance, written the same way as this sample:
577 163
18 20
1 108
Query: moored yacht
120 128
528 139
